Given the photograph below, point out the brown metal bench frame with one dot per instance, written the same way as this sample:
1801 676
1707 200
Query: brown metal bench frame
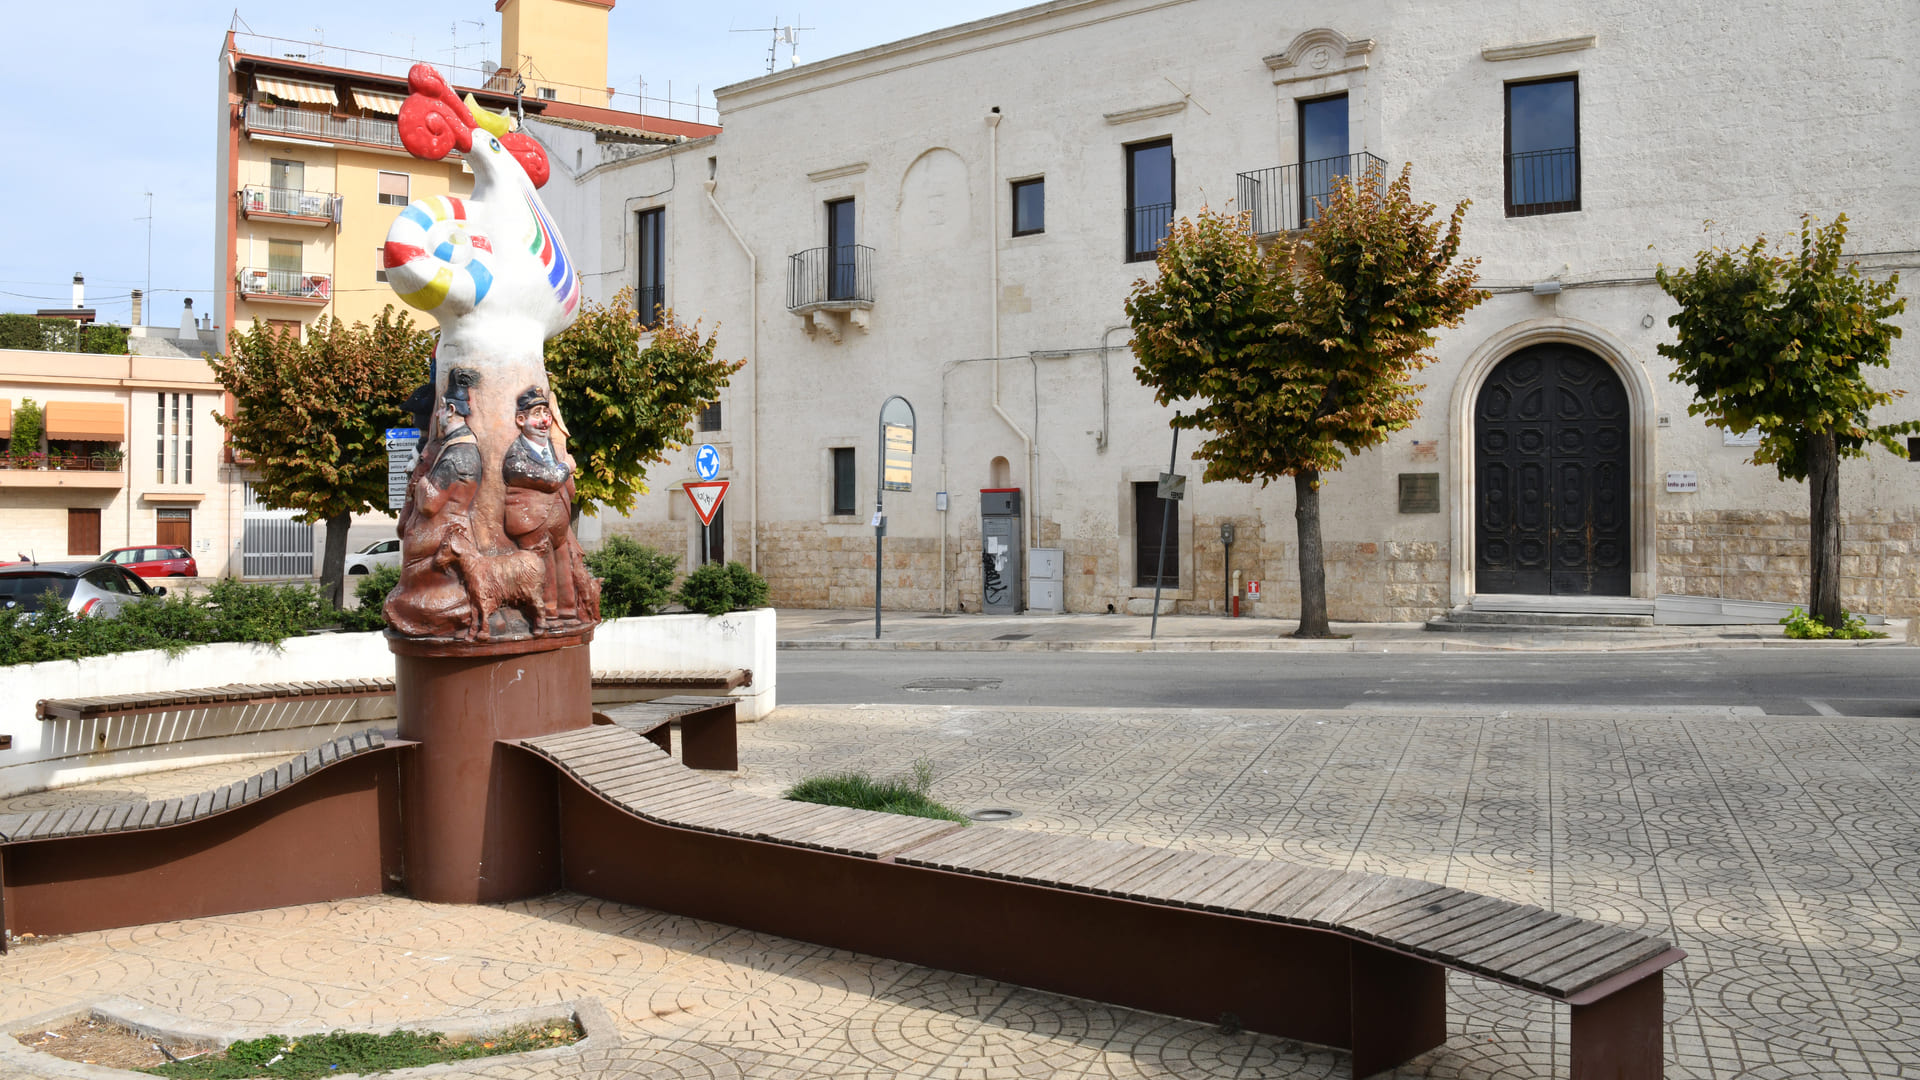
709 736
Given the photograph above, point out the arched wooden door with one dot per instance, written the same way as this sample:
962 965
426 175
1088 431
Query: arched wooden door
1550 434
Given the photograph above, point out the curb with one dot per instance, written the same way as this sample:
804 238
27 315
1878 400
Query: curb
1326 645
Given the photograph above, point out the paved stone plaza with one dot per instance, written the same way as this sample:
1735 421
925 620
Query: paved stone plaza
1782 853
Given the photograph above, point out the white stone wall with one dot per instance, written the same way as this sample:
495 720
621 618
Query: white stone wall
1744 119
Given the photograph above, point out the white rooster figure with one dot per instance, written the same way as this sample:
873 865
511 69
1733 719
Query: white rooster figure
492 269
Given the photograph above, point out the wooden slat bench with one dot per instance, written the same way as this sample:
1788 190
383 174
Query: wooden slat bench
1345 959
322 825
609 687
708 734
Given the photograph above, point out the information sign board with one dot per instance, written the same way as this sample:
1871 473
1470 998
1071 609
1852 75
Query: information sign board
899 475
403 449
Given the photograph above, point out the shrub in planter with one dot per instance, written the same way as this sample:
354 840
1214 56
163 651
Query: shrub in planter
371 593
715 589
634 578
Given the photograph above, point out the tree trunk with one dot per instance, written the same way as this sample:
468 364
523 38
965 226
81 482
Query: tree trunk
1823 485
333 563
1313 566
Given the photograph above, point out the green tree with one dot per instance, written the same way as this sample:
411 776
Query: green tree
1779 344
626 405
27 423
21 331
1303 354
312 417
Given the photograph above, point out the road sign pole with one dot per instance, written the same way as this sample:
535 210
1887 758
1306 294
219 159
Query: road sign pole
1166 506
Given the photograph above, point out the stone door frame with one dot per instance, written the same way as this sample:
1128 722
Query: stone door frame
1642 408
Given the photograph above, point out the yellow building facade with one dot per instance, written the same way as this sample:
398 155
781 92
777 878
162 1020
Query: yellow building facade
558 46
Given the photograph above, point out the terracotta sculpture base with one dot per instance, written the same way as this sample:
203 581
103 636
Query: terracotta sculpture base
481 822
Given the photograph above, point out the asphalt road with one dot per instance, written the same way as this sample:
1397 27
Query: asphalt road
1779 682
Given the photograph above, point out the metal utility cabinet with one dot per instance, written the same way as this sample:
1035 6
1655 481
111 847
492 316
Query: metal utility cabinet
1000 551
1046 581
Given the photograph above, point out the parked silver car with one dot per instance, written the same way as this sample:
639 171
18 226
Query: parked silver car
88 587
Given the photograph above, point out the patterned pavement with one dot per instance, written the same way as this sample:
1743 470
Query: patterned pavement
1782 853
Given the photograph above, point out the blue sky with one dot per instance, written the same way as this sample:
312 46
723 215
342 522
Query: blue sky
122 100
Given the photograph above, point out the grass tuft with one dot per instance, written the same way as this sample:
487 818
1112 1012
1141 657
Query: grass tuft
898 795
310 1056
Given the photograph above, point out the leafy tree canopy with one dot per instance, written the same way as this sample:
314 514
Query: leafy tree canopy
1780 344
1304 354
627 402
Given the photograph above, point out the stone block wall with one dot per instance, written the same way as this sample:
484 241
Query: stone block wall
806 568
1764 555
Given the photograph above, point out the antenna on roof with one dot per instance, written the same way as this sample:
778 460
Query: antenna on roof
782 35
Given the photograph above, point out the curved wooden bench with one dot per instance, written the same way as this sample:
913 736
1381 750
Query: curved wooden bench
1340 958
322 825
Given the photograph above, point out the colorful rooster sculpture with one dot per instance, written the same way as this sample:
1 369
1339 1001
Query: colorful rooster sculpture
491 494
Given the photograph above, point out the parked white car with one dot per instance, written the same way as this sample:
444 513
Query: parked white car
374 556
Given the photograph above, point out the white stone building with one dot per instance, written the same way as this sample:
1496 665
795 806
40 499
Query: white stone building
866 226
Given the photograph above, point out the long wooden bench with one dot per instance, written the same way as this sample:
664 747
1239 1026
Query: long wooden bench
1345 959
609 687
321 825
709 736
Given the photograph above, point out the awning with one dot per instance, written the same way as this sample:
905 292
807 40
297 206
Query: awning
92 421
6 419
295 90
374 101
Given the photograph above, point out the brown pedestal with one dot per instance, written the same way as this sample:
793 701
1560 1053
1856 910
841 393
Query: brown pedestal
482 822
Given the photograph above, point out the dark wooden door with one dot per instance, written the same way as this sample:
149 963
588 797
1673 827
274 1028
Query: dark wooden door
174 528
83 532
1550 463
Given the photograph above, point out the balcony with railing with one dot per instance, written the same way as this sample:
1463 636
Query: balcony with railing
1543 182
828 284
289 204
1289 197
314 124
285 287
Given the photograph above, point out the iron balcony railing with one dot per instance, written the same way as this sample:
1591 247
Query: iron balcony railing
288 202
1543 182
1289 197
826 276
284 120
1146 228
649 301
286 284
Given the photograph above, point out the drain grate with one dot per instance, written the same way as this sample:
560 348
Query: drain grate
1013 637
949 684
994 813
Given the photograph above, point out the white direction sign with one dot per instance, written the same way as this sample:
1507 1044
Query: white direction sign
706 461
403 449
706 496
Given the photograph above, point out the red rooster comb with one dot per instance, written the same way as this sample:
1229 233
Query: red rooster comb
434 121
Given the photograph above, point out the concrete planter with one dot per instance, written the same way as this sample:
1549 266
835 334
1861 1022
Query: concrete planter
55 753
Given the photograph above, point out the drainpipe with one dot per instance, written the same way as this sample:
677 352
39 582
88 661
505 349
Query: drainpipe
993 295
753 365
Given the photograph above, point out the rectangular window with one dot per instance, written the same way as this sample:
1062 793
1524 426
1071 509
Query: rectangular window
160 443
1149 197
283 256
1148 510
380 264
286 175
186 450
1029 206
173 429
843 494
651 289
842 265
1543 146
1323 151
548 93
710 417
396 188
285 326
83 532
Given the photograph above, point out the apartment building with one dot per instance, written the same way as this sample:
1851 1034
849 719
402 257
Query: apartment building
957 219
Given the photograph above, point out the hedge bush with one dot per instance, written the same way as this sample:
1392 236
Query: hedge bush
371 593
230 611
634 578
715 589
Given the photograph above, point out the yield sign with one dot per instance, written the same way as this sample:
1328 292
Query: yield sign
706 496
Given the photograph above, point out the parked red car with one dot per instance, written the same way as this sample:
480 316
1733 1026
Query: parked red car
151 562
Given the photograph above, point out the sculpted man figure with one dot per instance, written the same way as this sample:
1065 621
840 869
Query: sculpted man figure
431 601
539 506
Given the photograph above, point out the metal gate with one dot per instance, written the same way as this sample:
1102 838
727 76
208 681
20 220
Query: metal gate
1550 463
272 544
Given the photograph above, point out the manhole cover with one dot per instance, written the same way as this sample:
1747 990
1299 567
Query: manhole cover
994 813
1013 637
945 684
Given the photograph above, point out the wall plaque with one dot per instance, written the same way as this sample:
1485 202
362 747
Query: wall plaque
1419 492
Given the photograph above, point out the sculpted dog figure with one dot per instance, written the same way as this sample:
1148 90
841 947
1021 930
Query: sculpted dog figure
515 579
